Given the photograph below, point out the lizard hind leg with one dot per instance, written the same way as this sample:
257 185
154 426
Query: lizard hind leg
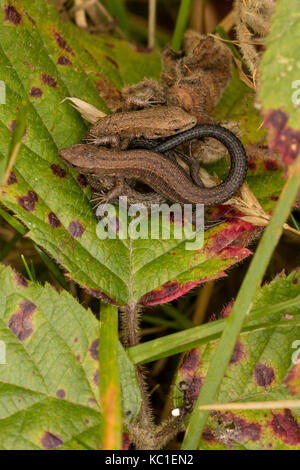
102 197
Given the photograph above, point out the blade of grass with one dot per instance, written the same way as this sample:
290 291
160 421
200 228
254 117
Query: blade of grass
190 338
15 142
117 10
241 309
29 273
109 384
180 319
181 23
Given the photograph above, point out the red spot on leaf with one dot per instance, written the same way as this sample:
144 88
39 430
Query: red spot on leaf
295 281
62 60
251 165
60 393
12 179
270 165
36 92
86 420
94 349
208 435
20 323
12 125
75 340
20 280
190 361
12 15
82 181
125 441
57 170
286 427
62 42
51 441
292 381
108 44
54 220
264 375
48 80
194 389
243 430
112 61
238 353
76 229
28 202
92 400
281 137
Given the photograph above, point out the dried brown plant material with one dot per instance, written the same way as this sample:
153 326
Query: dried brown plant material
200 76
253 19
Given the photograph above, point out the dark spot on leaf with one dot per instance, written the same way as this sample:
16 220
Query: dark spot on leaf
12 179
54 220
60 393
86 421
264 375
48 80
295 281
238 353
251 165
274 198
36 92
108 44
194 389
76 229
28 202
96 378
62 42
57 170
12 125
246 430
75 340
51 441
62 60
94 349
286 427
277 119
271 165
208 435
82 181
92 400
112 61
30 18
190 360
20 323
78 357
20 280
12 15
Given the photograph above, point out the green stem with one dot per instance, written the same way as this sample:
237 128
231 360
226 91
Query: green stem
241 309
109 384
181 23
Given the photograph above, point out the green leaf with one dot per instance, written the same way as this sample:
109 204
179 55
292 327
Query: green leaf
280 64
49 383
260 369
